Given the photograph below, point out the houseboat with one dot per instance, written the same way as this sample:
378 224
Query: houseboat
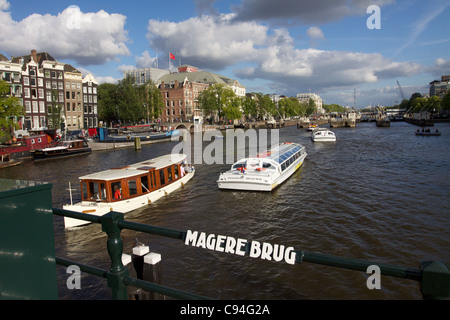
265 171
64 149
24 142
131 187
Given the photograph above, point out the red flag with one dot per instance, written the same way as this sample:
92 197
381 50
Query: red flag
171 56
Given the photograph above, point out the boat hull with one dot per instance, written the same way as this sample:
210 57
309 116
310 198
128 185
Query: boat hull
124 206
48 155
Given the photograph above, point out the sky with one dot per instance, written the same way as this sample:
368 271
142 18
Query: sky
350 52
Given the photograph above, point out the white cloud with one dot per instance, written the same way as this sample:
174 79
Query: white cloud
4 5
261 53
145 61
87 38
208 41
315 33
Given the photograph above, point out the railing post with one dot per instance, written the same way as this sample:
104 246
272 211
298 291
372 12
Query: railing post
435 284
115 249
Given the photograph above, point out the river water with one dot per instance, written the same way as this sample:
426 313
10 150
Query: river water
378 194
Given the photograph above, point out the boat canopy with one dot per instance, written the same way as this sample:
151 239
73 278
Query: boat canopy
282 152
136 169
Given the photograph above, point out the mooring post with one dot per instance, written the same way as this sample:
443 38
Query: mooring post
138 263
137 143
117 271
152 272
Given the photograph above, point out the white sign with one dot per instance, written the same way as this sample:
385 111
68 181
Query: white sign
264 251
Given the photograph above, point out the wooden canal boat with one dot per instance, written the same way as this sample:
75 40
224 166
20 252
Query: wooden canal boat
64 149
131 187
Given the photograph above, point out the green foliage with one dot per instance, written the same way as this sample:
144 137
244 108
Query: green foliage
10 108
219 100
445 103
128 103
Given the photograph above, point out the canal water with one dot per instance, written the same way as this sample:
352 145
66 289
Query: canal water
378 194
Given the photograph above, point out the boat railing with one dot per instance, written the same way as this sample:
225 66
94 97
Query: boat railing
433 276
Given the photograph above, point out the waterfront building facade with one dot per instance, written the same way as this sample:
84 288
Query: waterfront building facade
73 112
54 94
180 92
11 73
440 88
90 101
306 97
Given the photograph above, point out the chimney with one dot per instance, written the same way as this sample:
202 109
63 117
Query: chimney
34 55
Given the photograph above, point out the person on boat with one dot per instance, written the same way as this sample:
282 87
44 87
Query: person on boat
182 171
117 194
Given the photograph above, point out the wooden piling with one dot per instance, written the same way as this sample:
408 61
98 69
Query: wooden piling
152 272
137 143
138 264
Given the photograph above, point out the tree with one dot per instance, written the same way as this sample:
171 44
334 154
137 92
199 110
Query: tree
445 103
130 107
249 107
151 100
55 112
10 109
232 108
213 99
108 109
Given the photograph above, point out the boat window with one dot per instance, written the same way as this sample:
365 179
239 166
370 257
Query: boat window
169 174
144 184
93 191
132 189
176 171
153 179
103 191
84 187
239 165
116 189
161 177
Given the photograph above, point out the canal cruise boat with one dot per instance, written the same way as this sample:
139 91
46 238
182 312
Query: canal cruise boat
131 187
323 134
64 149
266 171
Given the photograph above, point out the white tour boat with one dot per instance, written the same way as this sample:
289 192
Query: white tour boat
323 134
265 171
130 187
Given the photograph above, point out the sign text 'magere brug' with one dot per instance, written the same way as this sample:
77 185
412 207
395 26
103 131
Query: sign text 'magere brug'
255 249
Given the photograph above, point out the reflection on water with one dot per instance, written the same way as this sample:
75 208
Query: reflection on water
379 194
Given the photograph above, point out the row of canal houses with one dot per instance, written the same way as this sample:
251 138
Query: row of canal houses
46 87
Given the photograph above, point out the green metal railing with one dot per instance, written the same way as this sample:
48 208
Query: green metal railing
434 277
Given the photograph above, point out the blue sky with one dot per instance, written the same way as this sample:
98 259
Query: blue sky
283 47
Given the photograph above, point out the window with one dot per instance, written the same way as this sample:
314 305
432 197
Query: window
169 174
84 189
161 177
26 81
144 184
116 190
132 190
